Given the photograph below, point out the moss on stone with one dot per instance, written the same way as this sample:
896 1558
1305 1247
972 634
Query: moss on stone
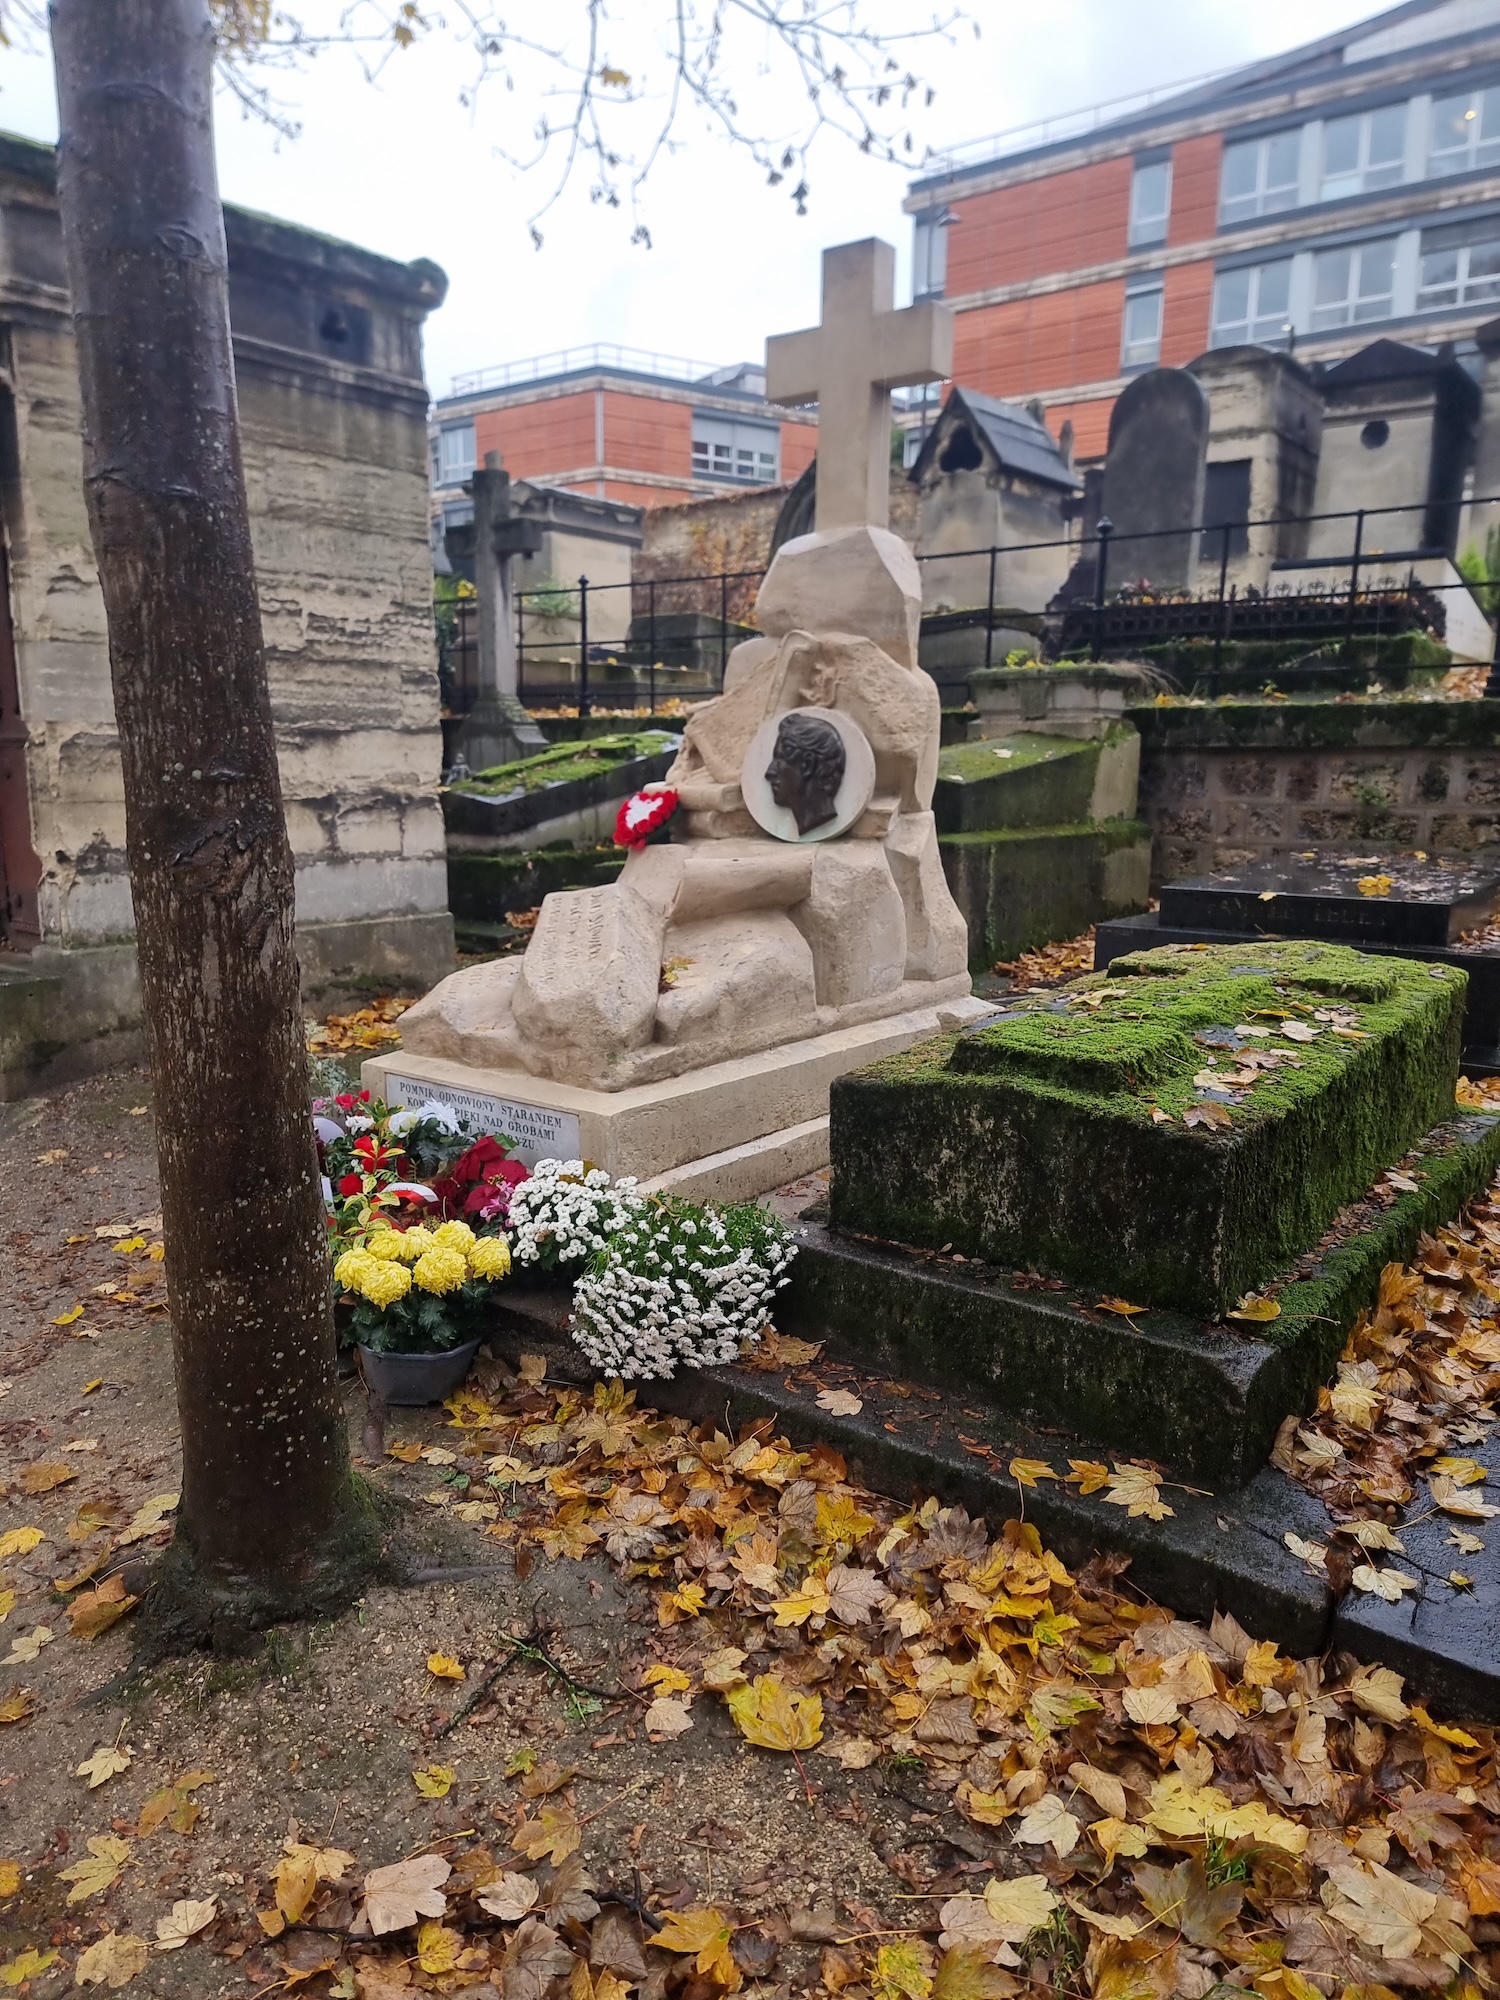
1057 1136
564 762
1320 725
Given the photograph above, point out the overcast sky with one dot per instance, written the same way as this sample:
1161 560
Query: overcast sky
402 166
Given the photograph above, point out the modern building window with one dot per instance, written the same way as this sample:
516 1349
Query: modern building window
1460 266
1465 132
1364 152
1260 176
1150 202
1354 285
455 456
930 254
1251 305
1140 342
725 448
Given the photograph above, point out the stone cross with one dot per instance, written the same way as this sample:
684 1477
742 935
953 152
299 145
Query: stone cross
848 365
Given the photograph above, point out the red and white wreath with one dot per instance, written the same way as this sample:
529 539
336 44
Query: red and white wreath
640 816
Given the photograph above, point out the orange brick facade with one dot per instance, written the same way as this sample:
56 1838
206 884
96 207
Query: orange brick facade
597 438
1035 233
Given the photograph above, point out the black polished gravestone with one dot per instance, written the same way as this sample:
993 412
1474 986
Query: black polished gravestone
1401 906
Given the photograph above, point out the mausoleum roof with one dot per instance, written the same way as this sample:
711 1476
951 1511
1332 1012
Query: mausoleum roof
1020 441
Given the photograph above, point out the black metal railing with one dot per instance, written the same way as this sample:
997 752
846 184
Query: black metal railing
653 640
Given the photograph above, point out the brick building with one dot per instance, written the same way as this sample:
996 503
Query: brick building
1348 187
619 425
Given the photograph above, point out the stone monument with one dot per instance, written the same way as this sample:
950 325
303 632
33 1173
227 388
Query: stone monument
497 730
685 1022
1153 479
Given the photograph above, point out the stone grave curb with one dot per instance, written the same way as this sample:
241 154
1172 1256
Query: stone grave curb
1212 1553
1115 937
1200 1398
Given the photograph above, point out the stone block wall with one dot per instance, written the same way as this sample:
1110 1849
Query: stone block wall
1223 786
333 408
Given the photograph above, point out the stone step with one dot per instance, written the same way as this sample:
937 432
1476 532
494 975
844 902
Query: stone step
1022 887
1036 781
1204 1399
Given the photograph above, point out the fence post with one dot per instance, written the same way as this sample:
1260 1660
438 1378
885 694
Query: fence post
521 646
1359 540
1223 579
1105 529
723 626
651 642
583 648
989 614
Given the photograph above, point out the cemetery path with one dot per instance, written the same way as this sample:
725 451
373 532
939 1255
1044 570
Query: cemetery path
980 1774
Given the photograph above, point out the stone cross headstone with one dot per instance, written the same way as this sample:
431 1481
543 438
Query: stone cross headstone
848 365
1153 479
497 729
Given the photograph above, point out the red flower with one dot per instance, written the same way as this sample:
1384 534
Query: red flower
350 1184
641 815
345 1103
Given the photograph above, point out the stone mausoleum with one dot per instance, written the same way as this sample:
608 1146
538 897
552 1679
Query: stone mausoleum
328 357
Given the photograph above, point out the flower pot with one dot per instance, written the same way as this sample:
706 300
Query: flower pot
416 1378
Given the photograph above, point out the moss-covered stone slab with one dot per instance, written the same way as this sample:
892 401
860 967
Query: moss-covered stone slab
1173 1133
1204 1399
1029 886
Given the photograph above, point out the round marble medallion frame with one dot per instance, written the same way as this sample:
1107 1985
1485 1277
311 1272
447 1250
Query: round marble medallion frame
853 795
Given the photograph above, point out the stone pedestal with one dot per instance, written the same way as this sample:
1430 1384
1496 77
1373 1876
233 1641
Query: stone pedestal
725 1133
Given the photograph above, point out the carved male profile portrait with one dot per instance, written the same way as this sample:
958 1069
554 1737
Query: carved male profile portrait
806 769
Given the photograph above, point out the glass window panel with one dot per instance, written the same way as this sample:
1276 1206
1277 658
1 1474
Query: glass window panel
1283 155
1142 341
1237 186
1377 264
1453 119
1150 198
1439 283
1331 278
1231 306
1341 157
1274 289
1387 135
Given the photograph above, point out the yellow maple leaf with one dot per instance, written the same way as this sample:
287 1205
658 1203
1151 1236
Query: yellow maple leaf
1255 1309
767 1712
107 1856
1462 1471
702 1934
434 1781
1087 1475
902 1971
438 1948
554 1832
296 1878
1121 1306
113 1961
67 1318
668 1680
672 1606
1137 1490
20 1541
10 1879
30 1965
443 1668
1115 1837
809 1600
1027 1471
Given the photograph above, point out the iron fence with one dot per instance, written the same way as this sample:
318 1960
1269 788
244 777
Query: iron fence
657 642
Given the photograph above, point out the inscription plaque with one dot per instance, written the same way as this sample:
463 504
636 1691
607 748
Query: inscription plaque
536 1131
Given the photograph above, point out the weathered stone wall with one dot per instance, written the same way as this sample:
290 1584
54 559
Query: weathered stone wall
333 407
1222 786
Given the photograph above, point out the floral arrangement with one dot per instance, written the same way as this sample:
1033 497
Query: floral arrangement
566 1213
643 814
416 1259
419 1290
679 1283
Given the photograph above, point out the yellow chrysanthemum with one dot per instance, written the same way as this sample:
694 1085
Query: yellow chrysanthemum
490 1257
440 1269
350 1268
413 1243
386 1244
454 1236
384 1282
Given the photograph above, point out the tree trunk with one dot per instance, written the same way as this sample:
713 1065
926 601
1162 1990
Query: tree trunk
269 1523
